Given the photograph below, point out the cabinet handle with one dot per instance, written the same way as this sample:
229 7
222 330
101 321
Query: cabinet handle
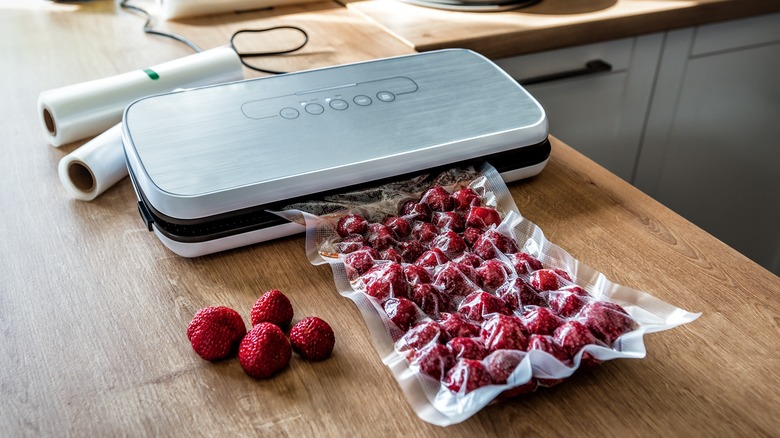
591 67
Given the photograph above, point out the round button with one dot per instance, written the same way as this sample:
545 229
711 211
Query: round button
362 100
385 96
314 108
338 104
289 113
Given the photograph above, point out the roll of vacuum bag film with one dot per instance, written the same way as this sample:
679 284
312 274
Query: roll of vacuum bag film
82 110
94 167
192 8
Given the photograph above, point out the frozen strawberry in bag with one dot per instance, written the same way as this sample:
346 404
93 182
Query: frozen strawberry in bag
466 301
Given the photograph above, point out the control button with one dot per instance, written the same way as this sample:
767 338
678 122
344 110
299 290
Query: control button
289 113
314 108
362 100
385 96
338 104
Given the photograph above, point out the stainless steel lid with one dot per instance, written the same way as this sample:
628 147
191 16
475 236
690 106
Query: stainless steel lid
217 149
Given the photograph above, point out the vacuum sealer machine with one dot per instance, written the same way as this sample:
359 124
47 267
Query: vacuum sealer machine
208 163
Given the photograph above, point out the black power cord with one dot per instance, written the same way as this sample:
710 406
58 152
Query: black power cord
241 56
150 30
148 26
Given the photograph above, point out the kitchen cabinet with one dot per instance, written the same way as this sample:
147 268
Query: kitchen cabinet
602 112
690 116
711 148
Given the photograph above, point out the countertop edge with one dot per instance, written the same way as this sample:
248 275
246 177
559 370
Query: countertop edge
531 40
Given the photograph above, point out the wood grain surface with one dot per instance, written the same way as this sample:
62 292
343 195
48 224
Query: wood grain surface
94 310
548 24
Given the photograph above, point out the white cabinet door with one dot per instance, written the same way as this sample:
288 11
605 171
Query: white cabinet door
602 114
712 147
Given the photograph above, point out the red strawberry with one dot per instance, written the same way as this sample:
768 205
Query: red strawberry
524 263
274 307
491 242
456 279
351 243
438 198
471 235
312 338
421 335
493 273
392 255
432 258
352 224
480 305
502 363
386 281
264 351
359 262
416 211
541 321
465 199
215 332
469 258
468 271
548 279
575 289
456 326
565 275
417 275
467 348
448 220
548 345
466 376
399 226
434 361
402 312
573 336
503 332
607 321
449 243
410 250
379 237
424 232
509 292
517 293
568 300
430 300
482 217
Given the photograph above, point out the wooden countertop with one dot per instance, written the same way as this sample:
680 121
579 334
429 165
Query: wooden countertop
549 24
93 308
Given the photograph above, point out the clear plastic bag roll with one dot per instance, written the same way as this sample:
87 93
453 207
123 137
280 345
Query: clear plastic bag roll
86 109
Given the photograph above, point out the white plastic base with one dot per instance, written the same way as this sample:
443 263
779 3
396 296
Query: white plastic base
198 249
525 172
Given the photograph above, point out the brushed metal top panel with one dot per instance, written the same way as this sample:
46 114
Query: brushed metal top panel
244 142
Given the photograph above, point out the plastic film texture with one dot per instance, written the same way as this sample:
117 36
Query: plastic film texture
466 301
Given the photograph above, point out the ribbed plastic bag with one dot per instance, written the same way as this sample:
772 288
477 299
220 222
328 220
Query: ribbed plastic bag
518 326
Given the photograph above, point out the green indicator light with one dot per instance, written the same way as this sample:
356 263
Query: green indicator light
152 74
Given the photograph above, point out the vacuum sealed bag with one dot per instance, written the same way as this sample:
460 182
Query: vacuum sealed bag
467 302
